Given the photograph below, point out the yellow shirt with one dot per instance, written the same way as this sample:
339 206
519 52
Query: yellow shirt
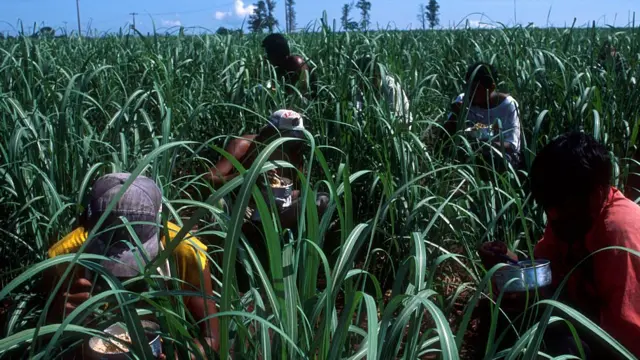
190 254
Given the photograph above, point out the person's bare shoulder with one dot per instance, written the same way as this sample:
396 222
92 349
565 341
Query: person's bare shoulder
507 100
298 62
502 97
238 146
247 137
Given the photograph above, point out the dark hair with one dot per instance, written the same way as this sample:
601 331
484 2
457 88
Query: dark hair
364 63
368 66
605 50
276 44
570 166
485 74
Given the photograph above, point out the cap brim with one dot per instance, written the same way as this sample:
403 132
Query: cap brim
128 262
295 132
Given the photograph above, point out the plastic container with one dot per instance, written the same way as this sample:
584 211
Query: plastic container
526 276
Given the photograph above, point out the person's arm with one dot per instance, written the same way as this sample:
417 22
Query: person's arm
503 145
193 269
75 290
451 123
398 102
493 253
510 129
550 248
224 171
201 308
617 273
218 178
304 72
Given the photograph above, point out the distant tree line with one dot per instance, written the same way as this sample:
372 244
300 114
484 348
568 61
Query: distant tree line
429 14
348 23
264 19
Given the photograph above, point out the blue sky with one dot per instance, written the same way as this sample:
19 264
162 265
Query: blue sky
111 14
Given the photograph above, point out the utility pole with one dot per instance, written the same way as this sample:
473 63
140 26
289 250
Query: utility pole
78 13
133 27
286 18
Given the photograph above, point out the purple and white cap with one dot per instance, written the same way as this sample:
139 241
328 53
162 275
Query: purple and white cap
141 202
287 120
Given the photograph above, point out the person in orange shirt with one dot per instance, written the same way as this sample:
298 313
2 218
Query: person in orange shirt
571 181
140 205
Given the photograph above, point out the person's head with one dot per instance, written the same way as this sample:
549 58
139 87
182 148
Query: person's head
570 179
140 202
367 67
284 123
607 51
277 48
481 79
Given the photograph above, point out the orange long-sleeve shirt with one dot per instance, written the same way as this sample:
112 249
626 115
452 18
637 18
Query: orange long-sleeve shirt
607 287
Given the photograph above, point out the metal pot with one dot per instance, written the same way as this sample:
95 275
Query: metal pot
482 134
527 275
282 193
117 329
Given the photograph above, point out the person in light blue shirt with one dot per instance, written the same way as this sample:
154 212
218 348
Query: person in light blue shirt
486 107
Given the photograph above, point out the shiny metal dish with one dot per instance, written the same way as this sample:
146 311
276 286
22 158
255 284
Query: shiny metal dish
95 352
527 275
483 134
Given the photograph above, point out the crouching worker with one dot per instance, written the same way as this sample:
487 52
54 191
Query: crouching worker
140 205
486 107
571 181
245 149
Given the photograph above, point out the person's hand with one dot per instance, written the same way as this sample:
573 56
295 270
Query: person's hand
165 357
456 107
271 173
493 253
248 212
210 343
78 293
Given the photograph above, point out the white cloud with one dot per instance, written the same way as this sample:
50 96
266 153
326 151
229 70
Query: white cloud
241 10
171 22
219 15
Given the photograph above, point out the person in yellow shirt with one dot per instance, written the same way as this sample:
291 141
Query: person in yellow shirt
141 206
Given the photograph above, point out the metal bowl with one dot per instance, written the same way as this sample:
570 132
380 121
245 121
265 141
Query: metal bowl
483 134
117 329
526 276
282 192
